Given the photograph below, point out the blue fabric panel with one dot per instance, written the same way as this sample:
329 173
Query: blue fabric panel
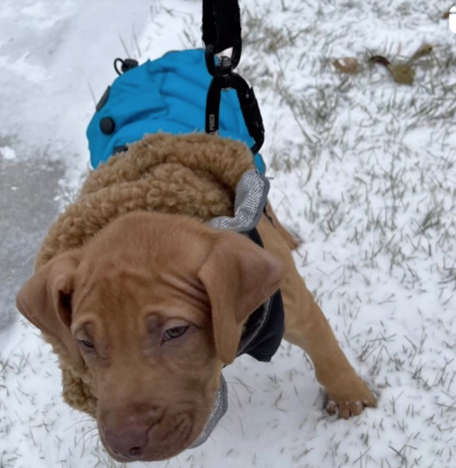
167 95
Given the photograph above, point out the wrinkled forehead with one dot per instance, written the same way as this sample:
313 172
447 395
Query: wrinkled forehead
157 243
146 275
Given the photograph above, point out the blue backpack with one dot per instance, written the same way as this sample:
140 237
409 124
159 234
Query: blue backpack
164 95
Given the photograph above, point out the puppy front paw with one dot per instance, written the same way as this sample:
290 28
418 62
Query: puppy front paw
351 400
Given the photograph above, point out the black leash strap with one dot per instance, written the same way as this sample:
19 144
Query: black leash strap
222 27
222 31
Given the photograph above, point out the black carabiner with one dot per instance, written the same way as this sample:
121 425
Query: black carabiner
247 101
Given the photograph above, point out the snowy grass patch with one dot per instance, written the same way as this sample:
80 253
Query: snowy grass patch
364 172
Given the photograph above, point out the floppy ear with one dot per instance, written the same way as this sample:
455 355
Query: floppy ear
238 276
45 300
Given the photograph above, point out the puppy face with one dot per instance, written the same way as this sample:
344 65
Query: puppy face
153 306
143 326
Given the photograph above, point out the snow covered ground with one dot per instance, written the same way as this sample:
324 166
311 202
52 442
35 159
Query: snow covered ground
364 171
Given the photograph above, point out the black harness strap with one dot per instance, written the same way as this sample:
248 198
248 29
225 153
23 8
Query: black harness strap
267 330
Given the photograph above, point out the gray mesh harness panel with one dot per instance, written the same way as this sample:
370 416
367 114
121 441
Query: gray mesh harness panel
251 198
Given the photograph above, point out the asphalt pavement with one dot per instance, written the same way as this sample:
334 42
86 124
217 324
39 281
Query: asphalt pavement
27 207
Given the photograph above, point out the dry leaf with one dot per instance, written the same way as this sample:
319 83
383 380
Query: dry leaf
402 73
422 51
347 65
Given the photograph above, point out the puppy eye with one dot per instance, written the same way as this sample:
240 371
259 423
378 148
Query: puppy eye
86 344
174 333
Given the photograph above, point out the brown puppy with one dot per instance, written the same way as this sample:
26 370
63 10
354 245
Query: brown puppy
154 306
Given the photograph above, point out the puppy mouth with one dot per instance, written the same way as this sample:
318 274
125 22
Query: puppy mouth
113 454
119 457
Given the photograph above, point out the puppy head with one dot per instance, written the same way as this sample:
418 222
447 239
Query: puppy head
153 307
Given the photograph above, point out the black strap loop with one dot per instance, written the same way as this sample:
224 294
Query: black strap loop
222 25
126 65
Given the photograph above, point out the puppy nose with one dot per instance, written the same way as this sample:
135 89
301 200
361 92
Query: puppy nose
130 437
128 442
